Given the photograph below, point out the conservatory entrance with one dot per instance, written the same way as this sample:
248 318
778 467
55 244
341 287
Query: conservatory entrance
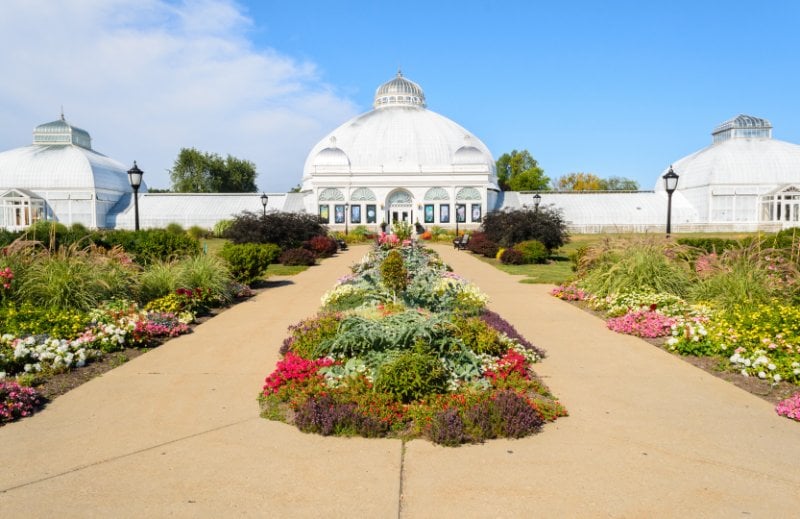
19 208
781 205
399 207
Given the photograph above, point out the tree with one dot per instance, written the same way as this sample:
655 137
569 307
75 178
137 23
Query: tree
198 172
580 182
591 182
621 184
519 171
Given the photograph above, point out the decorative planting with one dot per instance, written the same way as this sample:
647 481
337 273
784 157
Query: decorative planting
402 347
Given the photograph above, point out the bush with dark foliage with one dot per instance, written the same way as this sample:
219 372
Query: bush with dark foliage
507 228
298 256
480 243
286 230
322 246
512 257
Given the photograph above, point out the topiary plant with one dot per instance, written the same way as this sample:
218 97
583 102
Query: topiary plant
411 376
247 261
394 273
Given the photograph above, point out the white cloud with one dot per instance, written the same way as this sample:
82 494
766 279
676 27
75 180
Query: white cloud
148 77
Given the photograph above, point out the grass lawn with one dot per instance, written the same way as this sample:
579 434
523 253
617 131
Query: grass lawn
276 269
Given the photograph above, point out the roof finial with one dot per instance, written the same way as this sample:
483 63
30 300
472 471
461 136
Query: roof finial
399 71
62 113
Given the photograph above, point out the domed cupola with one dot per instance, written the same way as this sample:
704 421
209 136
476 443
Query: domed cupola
332 156
742 127
399 91
61 132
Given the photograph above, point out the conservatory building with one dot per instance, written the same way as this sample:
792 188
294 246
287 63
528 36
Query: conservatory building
400 162
60 177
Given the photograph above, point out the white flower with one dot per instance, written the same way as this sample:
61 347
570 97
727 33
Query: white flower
762 375
747 362
771 366
776 377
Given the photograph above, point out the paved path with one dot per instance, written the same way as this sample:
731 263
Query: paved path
176 432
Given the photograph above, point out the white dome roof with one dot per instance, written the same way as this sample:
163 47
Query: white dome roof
42 168
739 159
399 137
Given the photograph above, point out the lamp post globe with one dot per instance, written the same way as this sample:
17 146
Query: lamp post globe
264 201
135 178
670 185
537 199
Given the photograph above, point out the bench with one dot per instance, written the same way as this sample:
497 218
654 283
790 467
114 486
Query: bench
460 243
341 243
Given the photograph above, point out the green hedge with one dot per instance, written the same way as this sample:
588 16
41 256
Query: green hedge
247 261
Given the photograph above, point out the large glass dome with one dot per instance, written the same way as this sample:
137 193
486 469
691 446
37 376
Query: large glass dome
399 136
742 153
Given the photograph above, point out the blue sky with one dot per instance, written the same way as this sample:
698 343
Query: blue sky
615 88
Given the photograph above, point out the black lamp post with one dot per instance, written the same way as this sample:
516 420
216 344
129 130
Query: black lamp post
670 184
537 199
264 200
135 178
346 217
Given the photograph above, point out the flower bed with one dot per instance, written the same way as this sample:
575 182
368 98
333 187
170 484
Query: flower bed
404 348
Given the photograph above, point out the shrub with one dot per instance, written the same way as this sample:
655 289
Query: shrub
508 227
148 245
17 401
196 232
286 230
533 251
394 273
478 336
512 257
402 230
322 246
220 227
479 243
175 228
247 261
298 256
411 376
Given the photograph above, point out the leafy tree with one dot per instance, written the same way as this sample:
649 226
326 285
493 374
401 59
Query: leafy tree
198 172
519 171
621 184
580 182
509 227
591 182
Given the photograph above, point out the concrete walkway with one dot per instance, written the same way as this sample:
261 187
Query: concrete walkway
176 432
